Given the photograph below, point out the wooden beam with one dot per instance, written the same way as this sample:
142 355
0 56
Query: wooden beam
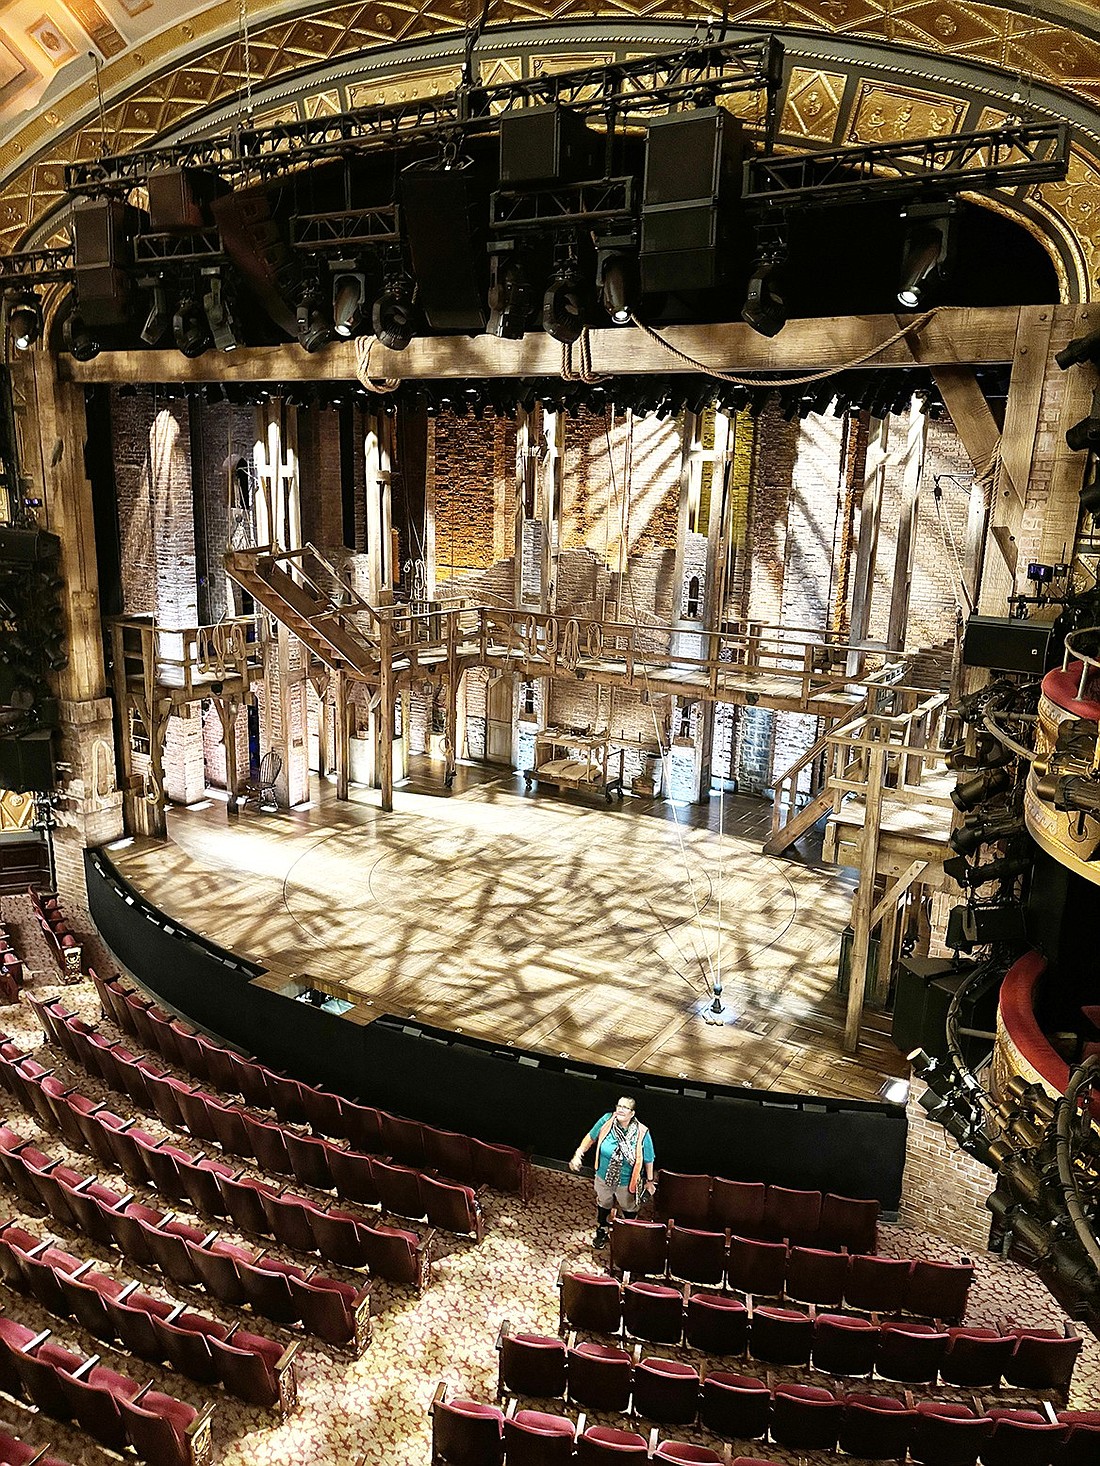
973 421
1025 393
953 335
870 512
865 895
904 549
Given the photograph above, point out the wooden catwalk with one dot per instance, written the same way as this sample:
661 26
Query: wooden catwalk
540 920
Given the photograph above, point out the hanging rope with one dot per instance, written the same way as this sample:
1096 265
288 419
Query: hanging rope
584 372
382 385
758 380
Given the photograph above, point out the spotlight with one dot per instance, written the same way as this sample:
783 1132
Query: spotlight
189 328
511 298
1086 433
618 286
24 319
80 341
968 794
978 829
765 310
958 868
314 322
921 1061
219 316
159 318
564 306
349 297
995 870
393 315
925 250
1080 349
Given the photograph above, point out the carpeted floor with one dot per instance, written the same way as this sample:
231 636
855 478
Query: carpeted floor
376 1406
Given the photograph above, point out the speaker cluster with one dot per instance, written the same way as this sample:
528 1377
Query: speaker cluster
32 649
992 857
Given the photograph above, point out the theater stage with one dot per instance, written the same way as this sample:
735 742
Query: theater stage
544 920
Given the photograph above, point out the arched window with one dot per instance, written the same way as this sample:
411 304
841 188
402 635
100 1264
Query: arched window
693 598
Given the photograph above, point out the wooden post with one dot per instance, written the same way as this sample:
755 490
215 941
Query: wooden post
870 513
385 714
907 530
865 893
341 731
228 708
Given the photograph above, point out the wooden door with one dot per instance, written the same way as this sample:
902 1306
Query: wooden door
498 720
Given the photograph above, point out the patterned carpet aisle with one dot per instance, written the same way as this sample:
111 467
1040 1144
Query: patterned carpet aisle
377 1405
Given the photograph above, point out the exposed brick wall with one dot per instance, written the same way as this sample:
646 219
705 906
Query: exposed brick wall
226 434
943 1188
467 457
321 490
184 755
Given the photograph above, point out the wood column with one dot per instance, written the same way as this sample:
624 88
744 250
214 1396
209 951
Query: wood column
912 464
870 513
864 901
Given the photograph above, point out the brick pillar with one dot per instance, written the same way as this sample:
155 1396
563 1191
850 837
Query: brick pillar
184 756
943 1189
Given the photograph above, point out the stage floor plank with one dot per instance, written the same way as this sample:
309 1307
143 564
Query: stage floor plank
544 920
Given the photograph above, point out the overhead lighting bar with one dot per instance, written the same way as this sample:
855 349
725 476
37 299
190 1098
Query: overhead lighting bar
1030 152
656 82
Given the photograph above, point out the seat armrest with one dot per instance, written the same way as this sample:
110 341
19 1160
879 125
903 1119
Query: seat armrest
179 1308
439 1396
504 1330
198 1437
87 1367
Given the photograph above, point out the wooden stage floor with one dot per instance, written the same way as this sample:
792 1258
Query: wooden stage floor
543 920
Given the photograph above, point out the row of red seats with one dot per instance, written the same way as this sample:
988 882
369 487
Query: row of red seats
114 1410
468 1433
841 1344
462 1158
253 1368
62 941
314 1162
11 968
793 1416
867 1283
14 1452
772 1213
288 1294
296 1221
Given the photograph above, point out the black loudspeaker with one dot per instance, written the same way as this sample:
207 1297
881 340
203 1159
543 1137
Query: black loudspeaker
27 546
925 987
1005 644
254 243
26 764
180 198
103 231
544 144
448 256
691 167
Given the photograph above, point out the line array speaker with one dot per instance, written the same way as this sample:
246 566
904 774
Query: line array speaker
102 232
448 254
543 144
691 177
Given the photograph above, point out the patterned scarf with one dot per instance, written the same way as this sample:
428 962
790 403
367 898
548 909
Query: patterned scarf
626 1145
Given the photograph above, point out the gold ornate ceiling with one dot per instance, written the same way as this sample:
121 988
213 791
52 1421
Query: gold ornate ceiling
857 70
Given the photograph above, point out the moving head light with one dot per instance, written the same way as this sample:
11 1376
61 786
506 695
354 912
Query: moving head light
983 829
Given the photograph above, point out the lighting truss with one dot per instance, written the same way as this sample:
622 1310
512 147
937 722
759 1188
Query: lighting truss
37 267
1026 152
346 228
605 201
204 248
642 84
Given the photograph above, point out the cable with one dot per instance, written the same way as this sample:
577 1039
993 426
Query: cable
759 379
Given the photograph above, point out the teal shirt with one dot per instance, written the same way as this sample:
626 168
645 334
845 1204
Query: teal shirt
607 1150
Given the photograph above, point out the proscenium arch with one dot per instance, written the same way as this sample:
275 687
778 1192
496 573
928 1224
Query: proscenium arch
972 64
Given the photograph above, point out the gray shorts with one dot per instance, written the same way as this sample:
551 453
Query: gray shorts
625 1199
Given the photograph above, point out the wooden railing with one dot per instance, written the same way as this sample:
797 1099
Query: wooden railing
189 657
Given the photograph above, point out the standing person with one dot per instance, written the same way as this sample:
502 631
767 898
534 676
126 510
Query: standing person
624 1148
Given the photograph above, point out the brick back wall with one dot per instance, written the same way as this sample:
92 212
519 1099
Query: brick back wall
227 434
153 474
321 488
467 457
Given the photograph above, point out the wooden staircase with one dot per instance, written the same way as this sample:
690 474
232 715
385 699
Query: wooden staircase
304 591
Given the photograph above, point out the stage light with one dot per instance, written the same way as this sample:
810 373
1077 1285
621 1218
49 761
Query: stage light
159 318
80 341
921 1061
1085 435
978 829
349 299
968 794
995 870
618 286
393 315
925 250
765 309
1080 349
565 306
1034 1234
511 297
219 314
958 869
24 318
313 318
189 328
895 1091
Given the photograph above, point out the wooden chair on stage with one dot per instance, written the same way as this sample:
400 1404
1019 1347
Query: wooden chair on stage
261 790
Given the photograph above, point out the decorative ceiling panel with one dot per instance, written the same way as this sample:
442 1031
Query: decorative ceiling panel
812 108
